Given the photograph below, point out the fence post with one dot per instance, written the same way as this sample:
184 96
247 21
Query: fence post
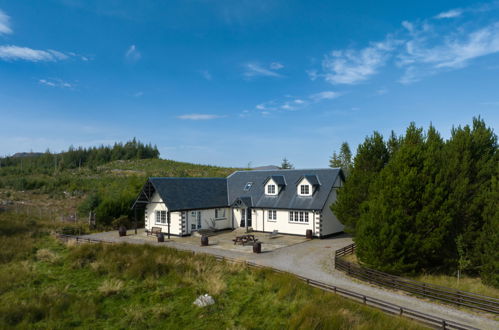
444 325
364 299
401 311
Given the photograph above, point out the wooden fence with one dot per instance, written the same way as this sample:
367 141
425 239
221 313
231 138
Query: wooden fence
387 307
457 297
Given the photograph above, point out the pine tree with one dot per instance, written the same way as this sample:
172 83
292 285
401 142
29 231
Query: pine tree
343 160
286 165
371 157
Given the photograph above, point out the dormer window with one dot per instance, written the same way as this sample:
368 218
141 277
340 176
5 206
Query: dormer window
305 189
271 189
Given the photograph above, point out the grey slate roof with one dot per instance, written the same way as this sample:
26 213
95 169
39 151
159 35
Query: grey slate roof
203 193
278 179
191 193
287 198
313 179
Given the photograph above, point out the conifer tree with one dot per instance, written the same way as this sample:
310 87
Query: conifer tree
371 157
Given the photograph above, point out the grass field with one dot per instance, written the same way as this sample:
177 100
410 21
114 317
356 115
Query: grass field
45 284
469 284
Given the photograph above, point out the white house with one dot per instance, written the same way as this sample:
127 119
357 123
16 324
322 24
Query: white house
289 201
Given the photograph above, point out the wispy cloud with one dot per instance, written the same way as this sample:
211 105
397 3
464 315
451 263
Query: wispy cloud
276 66
55 82
425 56
138 94
14 53
288 103
449 14
133 53
198 116
4 23
352 66
326 95
257 70
422 48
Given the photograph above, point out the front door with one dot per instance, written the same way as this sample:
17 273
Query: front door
245 216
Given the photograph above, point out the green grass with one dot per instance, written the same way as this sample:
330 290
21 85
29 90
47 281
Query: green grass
469 284
45 284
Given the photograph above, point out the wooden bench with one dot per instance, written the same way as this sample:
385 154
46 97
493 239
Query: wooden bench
154 231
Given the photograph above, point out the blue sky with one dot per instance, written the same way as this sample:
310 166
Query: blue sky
233 82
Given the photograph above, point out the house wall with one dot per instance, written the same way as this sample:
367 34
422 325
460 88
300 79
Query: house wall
150 216
329 223
282 223
208 220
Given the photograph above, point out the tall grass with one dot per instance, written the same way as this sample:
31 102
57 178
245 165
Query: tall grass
128 286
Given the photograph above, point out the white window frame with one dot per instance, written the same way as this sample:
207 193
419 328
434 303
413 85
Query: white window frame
304 189
220 214
160 217
272 216
271 189
300 217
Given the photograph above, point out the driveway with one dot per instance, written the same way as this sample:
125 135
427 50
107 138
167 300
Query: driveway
315 260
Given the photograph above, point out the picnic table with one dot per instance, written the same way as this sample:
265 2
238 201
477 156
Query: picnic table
243 239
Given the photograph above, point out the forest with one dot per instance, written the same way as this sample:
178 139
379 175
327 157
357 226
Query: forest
419 203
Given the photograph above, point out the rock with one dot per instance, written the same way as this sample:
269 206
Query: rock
204 300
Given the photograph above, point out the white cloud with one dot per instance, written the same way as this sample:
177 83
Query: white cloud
13 53
352 66
133 54
257 70
450 14
54 82
326 95
138 94
312 74
260 106
298 101
4 23
427 53
276 66
198 116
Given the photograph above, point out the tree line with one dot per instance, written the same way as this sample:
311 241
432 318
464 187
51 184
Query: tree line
78 157
419 203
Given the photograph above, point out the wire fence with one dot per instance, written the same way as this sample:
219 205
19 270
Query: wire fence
452 296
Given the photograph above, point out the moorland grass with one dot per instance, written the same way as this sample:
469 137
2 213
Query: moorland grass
465 283
45 284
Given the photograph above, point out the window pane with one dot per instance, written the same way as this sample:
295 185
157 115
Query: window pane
290 216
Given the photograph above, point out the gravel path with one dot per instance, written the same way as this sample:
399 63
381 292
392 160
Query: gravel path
314 260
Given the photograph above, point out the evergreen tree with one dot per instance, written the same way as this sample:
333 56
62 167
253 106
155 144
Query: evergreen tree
343 160
286 165
488 244
371 157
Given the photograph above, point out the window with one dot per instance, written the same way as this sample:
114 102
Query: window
305 189
298 217
243 214
248 185
271 189
272 215
161 217
219 213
